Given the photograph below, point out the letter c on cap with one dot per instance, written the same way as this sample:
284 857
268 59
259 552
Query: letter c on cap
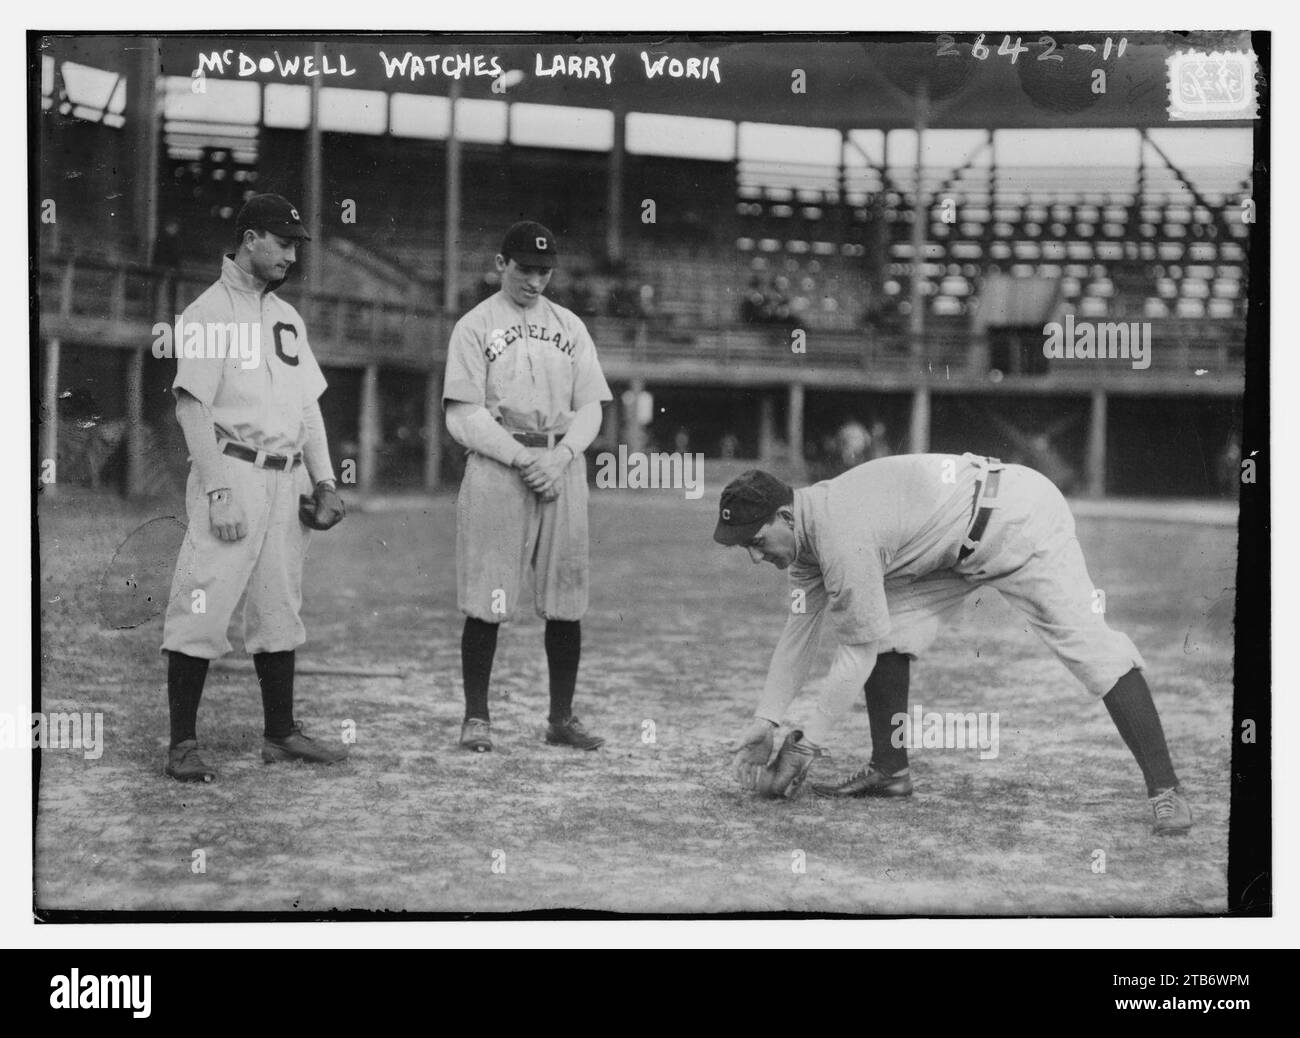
294 213
540 242
726 514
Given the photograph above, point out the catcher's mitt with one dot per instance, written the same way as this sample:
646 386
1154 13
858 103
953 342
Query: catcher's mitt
321 510
784 777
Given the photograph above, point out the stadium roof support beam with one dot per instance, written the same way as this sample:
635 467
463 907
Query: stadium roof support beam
50 414
920 209
143 115
614 202
312 184
451 233
1096 470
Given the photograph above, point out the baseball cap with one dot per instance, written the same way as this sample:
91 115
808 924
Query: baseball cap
531 244
272 213
748 502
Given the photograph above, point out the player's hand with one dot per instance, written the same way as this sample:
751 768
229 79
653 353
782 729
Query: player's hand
226 517
545 471
525 459
752 751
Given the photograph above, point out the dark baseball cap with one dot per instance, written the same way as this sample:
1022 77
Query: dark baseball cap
748 503
528 243
272 213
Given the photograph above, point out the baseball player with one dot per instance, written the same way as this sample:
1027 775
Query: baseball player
254 431
886 553
523 394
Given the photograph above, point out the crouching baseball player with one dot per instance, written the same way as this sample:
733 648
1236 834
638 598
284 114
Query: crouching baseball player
886 553
254 431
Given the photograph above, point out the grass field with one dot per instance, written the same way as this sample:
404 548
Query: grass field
679 634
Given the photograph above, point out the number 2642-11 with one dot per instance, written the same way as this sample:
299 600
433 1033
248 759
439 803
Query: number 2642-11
947 45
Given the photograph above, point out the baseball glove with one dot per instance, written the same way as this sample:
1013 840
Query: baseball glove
321 510
785 776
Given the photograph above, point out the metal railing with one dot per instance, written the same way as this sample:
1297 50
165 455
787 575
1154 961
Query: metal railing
116 304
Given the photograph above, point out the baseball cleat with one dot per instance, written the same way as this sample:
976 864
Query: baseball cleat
185 765
572 733
785 776
1172 812
476 735
296 746
870 782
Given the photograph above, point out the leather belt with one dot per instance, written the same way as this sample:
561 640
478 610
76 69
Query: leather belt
986 491
536 439
259 458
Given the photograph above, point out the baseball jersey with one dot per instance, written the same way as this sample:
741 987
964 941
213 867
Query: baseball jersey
896 518
259 404
532 369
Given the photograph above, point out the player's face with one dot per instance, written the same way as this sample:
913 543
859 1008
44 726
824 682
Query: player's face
270 255
524 284
774 543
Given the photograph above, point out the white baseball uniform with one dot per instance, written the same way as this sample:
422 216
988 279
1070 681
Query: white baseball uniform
532 370
259 407
879 554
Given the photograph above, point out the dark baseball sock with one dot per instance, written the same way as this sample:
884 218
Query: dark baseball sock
1134 713
275 675
563 652
185 678
478 647
886 690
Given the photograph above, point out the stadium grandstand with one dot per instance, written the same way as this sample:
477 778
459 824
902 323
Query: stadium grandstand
759 268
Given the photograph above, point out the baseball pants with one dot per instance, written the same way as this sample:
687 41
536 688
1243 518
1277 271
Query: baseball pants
1031 554
264 567
503 530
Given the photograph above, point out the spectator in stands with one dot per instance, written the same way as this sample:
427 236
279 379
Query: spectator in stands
752 306
851 443
582 300
167 258
880 446
1228 469
778 301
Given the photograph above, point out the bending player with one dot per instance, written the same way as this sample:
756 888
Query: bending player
887 552
523 394
250 424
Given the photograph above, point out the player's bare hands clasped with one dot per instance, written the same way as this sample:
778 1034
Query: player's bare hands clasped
226 516
752 751
543 471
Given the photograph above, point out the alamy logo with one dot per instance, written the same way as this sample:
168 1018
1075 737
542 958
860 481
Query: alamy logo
654 471
211 340
932 730
1092 340
127 991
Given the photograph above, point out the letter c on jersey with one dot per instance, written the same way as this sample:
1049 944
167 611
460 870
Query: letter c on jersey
278 334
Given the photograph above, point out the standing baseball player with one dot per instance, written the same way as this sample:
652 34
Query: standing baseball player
254 431
523 394
887 552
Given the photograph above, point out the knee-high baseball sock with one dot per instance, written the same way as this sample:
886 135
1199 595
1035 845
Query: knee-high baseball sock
563 652
1134 713
478 647
886 691
185 678
275 675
